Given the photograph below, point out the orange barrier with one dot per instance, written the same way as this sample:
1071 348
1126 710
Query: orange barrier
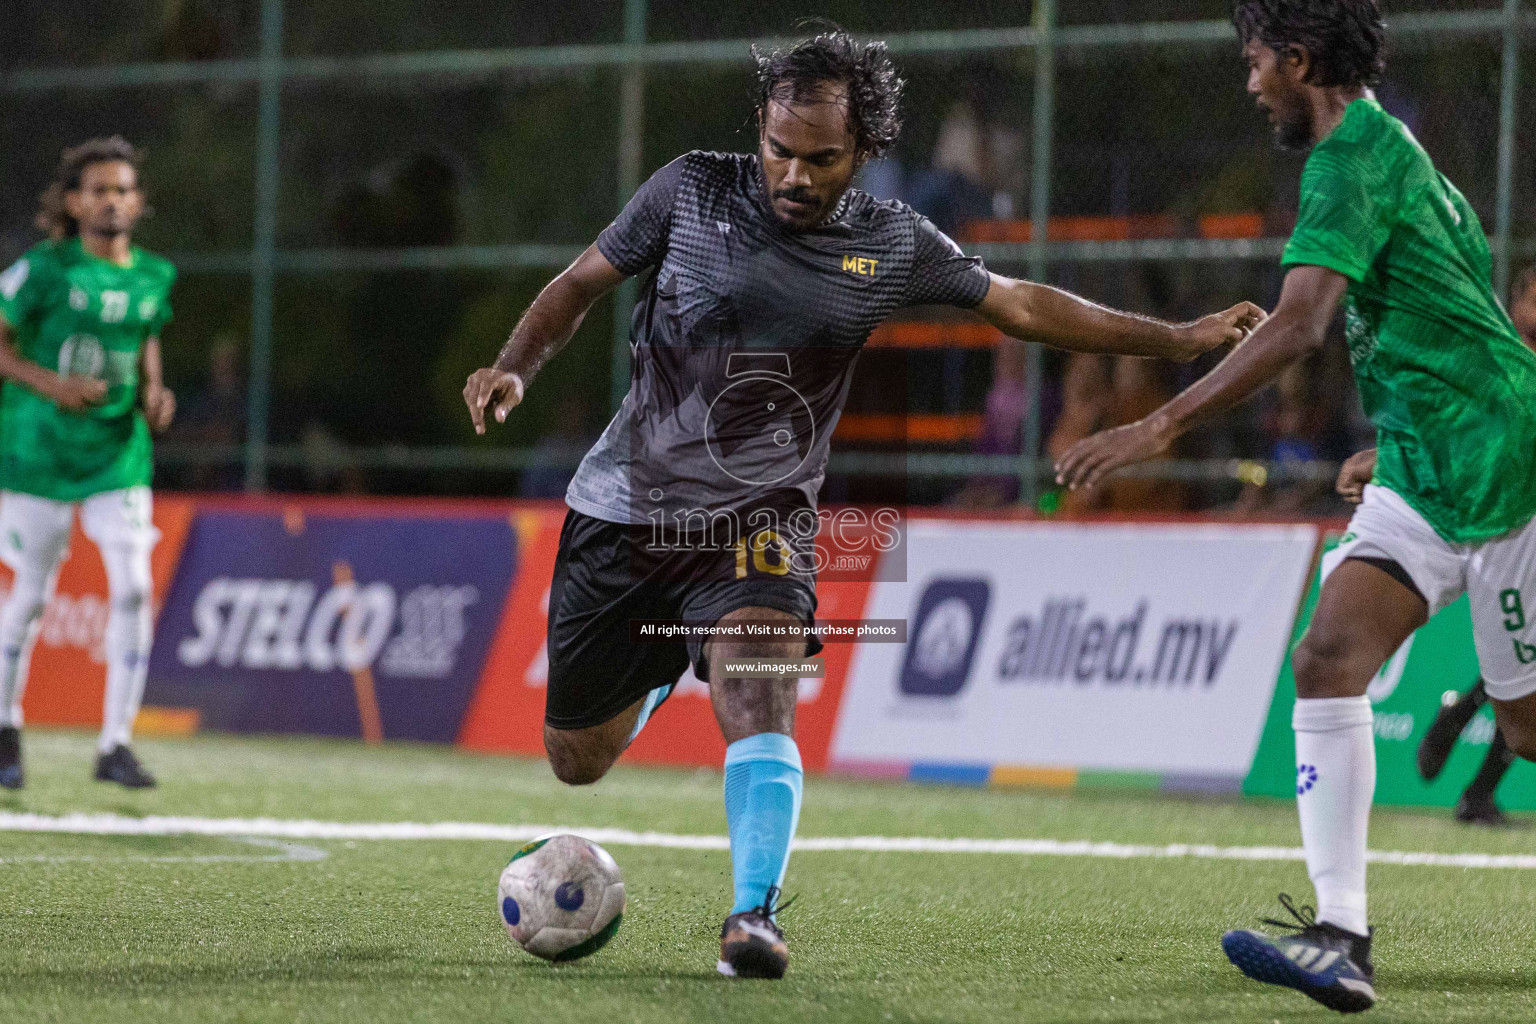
916 428
1118 229
922 334
1232 225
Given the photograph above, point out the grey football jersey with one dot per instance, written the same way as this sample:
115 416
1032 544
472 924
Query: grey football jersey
744 341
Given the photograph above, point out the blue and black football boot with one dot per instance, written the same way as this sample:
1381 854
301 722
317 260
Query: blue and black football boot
1320 960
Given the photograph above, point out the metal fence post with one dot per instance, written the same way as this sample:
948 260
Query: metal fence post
264 244
1509 87
1039 226
631 157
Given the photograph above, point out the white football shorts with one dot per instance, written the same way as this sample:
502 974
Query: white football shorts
1498 576
34 532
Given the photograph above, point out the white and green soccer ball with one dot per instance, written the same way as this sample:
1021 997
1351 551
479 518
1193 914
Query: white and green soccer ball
561 897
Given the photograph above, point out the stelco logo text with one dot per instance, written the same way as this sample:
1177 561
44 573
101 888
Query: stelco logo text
280 625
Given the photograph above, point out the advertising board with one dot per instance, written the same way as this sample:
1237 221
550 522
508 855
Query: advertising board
1040 647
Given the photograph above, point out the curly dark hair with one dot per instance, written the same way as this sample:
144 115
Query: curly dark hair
1345 38
52 215
797 72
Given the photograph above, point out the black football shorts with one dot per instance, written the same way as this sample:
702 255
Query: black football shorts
608 574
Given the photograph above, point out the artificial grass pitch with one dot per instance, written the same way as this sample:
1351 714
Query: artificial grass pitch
198 928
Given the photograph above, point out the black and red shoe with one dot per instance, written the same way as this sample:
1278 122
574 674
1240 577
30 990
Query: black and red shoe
1456 713
120 766
11 774
752 944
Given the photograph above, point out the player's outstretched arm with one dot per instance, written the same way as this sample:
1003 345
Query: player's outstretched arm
72 393
1298 325
544 329
1038 312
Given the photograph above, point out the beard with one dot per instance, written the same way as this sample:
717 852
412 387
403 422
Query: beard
808 220
1293 129
108 226
803 221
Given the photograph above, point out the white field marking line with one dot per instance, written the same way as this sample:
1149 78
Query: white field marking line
112 824
286 852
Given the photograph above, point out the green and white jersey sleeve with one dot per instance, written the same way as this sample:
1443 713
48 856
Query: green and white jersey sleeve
1343 223
25 285
1442 373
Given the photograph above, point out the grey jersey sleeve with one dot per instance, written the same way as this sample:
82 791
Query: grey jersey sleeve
942 275
637 238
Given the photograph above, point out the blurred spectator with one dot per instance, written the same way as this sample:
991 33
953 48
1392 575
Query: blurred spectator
957 188
1522 304
1002 430
328 464
1140 387
411 200
1291 425
559 451
1085 405
403 315
1305 417
884 178
1402 105
1099 393
202 29
215 416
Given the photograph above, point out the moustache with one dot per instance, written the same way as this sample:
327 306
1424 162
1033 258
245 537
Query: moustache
796 195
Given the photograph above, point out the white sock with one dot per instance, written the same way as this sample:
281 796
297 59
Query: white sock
130 627
1335 781
19 620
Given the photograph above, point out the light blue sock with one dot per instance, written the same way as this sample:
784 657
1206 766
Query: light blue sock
763 779
652 702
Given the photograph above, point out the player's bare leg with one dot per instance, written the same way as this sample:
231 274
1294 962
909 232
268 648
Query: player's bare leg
763 779
747 707
1363 616
580 757
1517 721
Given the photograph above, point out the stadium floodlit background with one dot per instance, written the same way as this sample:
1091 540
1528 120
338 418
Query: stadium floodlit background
362 197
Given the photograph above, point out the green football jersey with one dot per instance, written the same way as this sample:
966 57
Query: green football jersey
76 313
1441 371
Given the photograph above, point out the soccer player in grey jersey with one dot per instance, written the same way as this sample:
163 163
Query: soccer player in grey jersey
770 272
